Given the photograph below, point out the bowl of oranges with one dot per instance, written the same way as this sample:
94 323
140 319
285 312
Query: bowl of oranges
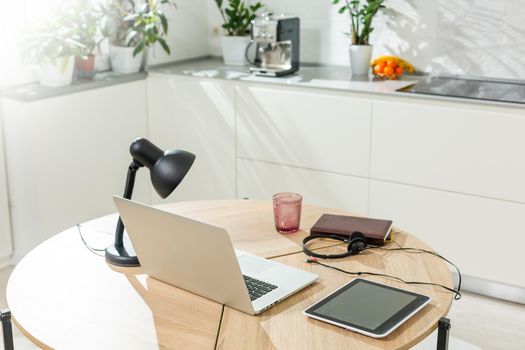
391 67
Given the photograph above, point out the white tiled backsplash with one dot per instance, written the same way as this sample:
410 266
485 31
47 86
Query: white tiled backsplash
468 37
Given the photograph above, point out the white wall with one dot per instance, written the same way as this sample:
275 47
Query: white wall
6 245
474 37
188 32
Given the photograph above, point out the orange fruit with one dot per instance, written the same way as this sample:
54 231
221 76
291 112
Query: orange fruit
388 70
399 70
391 63
379 68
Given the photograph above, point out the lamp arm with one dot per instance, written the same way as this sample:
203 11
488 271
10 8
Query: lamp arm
128 191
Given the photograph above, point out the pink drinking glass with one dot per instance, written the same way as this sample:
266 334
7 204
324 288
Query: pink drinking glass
287 211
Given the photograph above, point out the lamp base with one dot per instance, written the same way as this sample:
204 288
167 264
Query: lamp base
123 256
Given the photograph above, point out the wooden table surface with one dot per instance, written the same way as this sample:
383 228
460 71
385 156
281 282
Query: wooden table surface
64 296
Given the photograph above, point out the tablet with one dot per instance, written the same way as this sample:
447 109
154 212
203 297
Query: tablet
369 308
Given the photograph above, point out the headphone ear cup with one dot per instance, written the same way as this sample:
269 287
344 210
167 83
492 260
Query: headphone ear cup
356 235
357 243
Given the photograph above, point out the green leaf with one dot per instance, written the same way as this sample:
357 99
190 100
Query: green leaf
138 49
164 22
164 45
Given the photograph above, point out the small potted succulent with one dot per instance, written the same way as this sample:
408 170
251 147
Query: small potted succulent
237 17
131 28
85 20
53 46
361 13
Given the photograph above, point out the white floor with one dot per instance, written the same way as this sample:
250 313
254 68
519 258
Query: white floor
485 322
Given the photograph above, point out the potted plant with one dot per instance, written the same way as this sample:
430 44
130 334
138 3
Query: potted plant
237 19
131 28
53 46
362 13
85 20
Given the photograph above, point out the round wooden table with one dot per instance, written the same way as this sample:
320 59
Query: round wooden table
64 296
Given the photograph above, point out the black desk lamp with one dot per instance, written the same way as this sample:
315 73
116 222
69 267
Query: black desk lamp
167 169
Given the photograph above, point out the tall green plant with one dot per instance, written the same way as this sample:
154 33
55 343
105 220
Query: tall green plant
361 14
125 25
238 16
150 26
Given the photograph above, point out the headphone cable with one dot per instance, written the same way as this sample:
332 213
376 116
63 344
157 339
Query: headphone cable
457 292
419 250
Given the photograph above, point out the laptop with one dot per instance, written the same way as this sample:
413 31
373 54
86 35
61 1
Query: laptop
200 258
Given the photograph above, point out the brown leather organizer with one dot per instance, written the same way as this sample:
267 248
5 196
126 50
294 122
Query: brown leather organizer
376 231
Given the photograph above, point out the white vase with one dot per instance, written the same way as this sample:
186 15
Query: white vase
360 56
59 73
122 60
234 50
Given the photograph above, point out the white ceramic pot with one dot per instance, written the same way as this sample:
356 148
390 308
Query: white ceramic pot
59 73
234 49
122 60
360 56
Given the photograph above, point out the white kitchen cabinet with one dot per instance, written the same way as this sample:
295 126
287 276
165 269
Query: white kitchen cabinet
6 244
304 128
261 180
196 115
458 147
483 237
67 156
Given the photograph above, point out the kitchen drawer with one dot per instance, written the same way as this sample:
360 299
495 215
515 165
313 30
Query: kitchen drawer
467 149
260 180
315 130
483 237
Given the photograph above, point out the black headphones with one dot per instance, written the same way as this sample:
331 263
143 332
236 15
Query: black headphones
356 242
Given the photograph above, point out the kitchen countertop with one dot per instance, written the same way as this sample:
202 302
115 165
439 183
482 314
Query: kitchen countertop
311 75
338 78
35 92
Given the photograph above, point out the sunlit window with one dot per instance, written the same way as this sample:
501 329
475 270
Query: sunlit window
17 19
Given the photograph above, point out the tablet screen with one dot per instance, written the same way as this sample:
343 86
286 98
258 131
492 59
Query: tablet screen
367 305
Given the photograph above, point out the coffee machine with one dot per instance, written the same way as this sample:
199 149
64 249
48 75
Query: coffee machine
276 41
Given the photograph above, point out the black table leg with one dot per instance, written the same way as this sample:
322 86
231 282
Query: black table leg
5 317
443 333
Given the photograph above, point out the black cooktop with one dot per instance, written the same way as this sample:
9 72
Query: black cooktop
473 89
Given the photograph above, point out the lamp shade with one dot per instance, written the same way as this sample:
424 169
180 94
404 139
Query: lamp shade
167 169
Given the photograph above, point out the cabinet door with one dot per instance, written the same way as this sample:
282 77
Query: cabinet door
463 148
483 237
314 130
196 115
68 155
260 180
6 244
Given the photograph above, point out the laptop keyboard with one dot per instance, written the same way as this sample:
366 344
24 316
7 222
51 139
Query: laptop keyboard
257 288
